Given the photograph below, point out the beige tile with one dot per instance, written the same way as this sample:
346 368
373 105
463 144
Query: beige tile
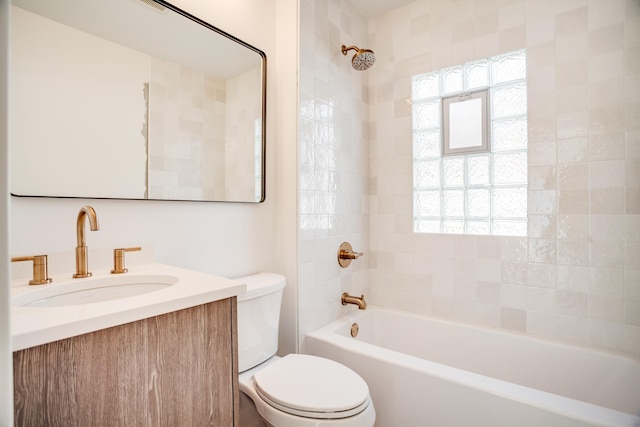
542 251
606 39
571 22
573 227
542 153
633 228
632 313
631 339
514 272
541 31
603 13
572 303
607 93
632 284
542 300
542 202
606 334
633 255
573 202
572 49
572 98
542 324
513 319
573 278
542 226
609 254
607 174
542 177
573 329
573 252
606 281
607 201
607 119
542 275
605 307
541 55
608 146
512 15
541 127
607 66
567 5
632 117
573 176
608 227
573 150
571 74
572 125
513 39
633 144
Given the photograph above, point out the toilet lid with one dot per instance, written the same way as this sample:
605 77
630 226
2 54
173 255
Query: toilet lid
312 387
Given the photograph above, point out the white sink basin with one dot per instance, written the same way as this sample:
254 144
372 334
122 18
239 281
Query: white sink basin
70 307
87 291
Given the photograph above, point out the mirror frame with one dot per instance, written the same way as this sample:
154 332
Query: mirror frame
263 125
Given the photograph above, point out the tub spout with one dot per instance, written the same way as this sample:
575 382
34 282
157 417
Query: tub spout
359 301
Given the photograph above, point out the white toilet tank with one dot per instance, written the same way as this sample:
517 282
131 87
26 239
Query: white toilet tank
258 318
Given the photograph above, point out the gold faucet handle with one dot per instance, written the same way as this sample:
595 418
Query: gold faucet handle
40 268
350 255
346 254
118 259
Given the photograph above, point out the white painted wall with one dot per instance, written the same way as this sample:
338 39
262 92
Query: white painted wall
6 381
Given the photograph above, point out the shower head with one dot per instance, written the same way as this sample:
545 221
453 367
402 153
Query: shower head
362 60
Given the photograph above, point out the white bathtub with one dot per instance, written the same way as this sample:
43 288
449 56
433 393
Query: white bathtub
428 372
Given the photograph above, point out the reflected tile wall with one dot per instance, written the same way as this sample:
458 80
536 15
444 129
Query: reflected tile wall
186 113
333 161
576 277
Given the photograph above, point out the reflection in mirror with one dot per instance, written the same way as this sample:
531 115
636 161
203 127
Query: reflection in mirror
133 99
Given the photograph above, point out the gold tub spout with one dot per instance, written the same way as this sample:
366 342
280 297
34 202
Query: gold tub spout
359 301
82 261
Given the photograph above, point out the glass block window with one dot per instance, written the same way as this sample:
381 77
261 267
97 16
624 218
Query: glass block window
482 193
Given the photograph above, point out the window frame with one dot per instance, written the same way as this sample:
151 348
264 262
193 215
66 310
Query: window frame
485 146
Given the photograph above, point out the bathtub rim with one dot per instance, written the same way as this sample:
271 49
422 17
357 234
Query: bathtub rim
579 410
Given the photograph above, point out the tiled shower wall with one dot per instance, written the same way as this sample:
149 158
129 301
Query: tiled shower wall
576 277
333 160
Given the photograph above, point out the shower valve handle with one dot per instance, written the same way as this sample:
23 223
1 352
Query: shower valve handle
346 254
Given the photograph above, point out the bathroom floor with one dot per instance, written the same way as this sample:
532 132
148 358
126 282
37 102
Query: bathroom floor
249 416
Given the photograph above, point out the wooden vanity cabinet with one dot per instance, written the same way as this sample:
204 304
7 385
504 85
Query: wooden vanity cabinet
175 369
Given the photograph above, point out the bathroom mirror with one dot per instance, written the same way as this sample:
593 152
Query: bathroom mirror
133 99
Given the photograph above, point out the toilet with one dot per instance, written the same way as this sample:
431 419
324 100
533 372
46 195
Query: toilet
297 389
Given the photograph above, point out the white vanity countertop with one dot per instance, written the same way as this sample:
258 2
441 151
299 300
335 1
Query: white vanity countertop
31 326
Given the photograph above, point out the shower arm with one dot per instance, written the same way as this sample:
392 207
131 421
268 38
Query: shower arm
346 49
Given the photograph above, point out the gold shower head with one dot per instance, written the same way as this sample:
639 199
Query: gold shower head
362 60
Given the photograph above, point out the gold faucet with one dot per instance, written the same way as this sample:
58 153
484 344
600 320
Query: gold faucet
82 262
359 301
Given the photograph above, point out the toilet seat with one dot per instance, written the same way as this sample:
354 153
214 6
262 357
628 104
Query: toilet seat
312 387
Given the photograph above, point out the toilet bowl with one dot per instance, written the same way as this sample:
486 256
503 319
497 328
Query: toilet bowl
297 389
